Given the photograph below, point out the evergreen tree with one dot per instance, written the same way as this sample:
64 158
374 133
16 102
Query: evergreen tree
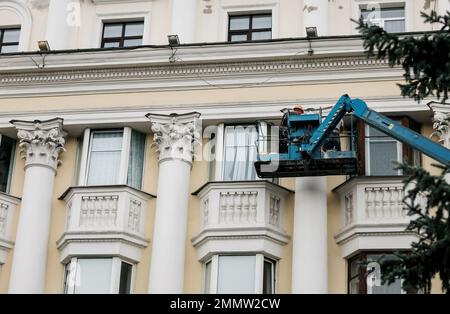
425 59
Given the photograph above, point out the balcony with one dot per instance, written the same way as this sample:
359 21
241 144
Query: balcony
233 211
104 220
8 205
373 215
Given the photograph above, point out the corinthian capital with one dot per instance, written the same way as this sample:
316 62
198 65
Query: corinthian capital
41 141
175 135
441 121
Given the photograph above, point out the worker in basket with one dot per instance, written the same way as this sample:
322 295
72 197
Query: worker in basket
284 133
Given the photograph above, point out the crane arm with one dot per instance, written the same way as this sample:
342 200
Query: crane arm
389 127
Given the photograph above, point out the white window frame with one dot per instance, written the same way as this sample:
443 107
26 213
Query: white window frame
227 8
408 5
367 150
124 158
220 149
259 272
115 273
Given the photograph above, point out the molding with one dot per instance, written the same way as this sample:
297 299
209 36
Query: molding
394 240
41 142
239 240
234 185
121 244
103 188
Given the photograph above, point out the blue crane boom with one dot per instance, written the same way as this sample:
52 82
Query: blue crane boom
307 135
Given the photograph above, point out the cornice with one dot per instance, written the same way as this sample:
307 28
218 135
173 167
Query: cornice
191 70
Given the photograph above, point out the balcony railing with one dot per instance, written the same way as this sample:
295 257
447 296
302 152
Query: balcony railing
251 204
372 206
104 213
238 217
8 205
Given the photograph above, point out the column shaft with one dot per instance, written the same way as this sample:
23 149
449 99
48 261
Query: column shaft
30 251
169 240
184 19
310 245
58 28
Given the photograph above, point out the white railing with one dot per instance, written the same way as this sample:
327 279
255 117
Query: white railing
113 208
373 215
242 204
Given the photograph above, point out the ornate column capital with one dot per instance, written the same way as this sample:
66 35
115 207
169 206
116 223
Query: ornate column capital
41 141
175 135
441 120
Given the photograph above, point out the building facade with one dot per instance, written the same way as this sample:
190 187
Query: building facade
126 162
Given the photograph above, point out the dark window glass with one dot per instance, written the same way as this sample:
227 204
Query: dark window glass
250 27
7 147
125 278
123 34
9 40
269 277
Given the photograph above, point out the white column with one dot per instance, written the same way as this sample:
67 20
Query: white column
174 136
184 19
309 241
443 6
61 16
441 126
40 145
315 14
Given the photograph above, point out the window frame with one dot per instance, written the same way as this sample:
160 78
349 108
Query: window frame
115 273
382 21
362 272
408 5
83 172
8 44
404 151
121 40
369 140
11 163
259 272
249 32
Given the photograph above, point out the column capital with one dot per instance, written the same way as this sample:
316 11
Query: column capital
41 141
441 119
175 135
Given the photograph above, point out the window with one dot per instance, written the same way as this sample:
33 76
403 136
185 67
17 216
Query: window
377 152
239 274
240 152
391 18
9 40
114 157
7 149
250 27
98 276
364 279
382 152
123 34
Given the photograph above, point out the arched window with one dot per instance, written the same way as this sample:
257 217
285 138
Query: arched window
15 16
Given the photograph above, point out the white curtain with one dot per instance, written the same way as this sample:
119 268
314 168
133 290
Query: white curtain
240 153
136 161
93 276
236 275
104 159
